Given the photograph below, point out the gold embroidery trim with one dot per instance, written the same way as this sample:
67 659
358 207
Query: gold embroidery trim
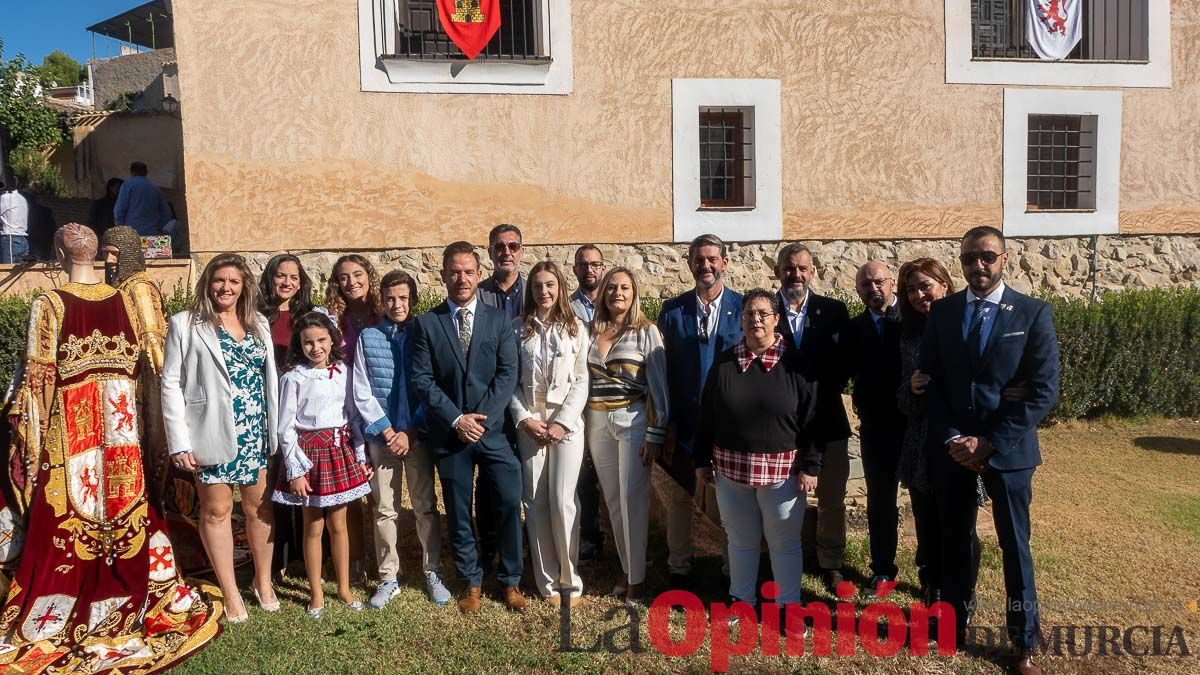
89 291
97 351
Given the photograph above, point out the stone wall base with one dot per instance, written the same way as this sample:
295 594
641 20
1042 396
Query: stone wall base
1059 265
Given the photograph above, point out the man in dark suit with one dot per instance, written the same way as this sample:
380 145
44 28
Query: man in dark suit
695 327
977 343
819 327
875 352
464 372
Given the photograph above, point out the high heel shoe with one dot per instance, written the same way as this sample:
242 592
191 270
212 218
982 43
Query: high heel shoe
314 613
266 607
229 618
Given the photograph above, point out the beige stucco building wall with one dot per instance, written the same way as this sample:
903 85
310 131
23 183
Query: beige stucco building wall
103 145
283 151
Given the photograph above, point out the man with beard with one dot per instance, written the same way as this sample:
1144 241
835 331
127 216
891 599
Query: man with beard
589 269
696 327
818 326
464 372
976 343
504 290
875 353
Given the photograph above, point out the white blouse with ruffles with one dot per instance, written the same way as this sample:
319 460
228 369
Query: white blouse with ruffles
313 399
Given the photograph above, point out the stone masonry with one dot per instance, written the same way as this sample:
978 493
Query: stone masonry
1059 265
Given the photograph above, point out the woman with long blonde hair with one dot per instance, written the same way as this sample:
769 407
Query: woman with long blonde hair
219 395
547 409
626 419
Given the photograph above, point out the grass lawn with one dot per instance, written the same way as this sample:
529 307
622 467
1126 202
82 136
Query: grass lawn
1116 536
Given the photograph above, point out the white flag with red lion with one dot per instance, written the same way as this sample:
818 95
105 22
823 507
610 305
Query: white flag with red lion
1054 27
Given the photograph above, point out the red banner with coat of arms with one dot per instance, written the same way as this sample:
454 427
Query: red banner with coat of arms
470 24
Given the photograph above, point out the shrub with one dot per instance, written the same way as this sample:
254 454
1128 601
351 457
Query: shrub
1131 353
33 169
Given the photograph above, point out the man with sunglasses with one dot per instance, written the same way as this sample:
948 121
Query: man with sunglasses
978 342
504 290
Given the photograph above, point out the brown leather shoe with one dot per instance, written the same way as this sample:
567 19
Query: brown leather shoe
554 600
513 600
576 601
469 603
1025 664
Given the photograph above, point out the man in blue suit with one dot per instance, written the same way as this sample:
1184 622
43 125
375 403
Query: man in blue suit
977 343
695 327
464 373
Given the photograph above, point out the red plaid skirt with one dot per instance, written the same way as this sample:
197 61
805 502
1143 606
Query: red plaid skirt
334 470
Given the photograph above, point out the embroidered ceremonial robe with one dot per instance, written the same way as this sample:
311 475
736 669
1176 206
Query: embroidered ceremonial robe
92 581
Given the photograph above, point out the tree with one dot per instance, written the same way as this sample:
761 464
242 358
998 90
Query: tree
22 109
61 68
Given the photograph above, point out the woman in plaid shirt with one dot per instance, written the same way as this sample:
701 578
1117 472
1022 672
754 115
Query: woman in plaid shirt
757 403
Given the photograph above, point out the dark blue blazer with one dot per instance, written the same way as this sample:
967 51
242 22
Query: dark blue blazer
827 346
678 324
449 384
965 389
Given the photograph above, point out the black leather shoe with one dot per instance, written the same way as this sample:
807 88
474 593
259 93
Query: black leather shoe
1025 665
832 579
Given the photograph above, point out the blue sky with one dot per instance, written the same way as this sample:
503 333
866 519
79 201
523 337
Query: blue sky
38 27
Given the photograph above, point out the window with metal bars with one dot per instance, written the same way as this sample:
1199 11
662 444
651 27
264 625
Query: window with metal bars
419 33
1113 30
1061 163
726 157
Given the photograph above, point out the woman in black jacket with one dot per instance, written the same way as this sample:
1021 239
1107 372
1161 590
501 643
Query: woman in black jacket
757 403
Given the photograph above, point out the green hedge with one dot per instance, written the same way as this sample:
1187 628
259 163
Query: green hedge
1131 353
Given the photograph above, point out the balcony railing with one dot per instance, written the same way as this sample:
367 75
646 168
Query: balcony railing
84 93
411 29
1113 30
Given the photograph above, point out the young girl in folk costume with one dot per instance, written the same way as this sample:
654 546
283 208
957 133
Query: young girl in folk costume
325 462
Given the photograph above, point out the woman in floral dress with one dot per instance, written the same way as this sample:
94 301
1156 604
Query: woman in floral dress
220 392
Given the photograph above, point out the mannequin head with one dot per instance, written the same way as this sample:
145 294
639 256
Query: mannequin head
76 244
122 249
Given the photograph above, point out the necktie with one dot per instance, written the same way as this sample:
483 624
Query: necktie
879 325
704 314
464 328
975 333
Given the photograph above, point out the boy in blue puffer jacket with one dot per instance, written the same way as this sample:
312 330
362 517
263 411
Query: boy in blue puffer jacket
391 422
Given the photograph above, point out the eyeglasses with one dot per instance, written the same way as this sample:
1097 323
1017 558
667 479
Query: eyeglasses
594 265
757 316
511 246
971 257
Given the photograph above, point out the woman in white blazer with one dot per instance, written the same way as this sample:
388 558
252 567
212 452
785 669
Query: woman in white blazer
547 409
219 399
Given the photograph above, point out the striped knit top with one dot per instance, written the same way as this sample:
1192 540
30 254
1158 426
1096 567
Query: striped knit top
635 369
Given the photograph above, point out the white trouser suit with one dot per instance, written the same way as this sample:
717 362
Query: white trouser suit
553 388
